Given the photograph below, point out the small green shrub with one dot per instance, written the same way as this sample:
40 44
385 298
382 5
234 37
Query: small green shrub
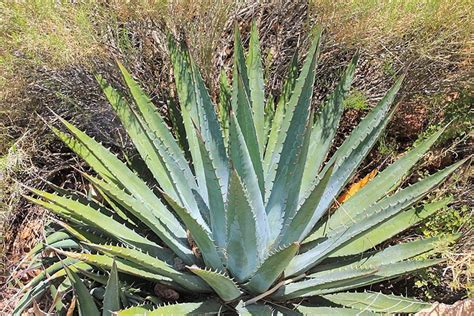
356 100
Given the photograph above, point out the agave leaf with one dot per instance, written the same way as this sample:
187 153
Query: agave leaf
414 192
390 228
171 231
152 264
383 211
340 311
295 175
136 311
243 243
269 116
188 100
96 204
135 207
68 208
280 112
401 252
351 153
155 122
239 66
257 89
392 254
293 232
271 268
243 165
377 188
377 302
243 112
85 153
225 287
111 301
289 143
217 215
43 276
201 235
384 272
324 129
82 234
139 135
321 281
210 130
124 266
118 209
254 309
88 200
50 239
85 301
29 296
224 104
201 308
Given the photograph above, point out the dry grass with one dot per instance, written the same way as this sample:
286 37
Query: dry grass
431 24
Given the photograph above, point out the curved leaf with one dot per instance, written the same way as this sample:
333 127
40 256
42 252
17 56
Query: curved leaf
377 302
85 300
271 268
111 302
225 287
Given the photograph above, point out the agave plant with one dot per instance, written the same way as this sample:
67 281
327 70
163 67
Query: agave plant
237 211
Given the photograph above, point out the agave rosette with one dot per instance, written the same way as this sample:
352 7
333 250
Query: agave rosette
235 213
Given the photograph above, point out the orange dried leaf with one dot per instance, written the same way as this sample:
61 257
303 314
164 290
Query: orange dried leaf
354 188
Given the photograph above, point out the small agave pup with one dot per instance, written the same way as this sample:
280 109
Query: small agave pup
250 187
